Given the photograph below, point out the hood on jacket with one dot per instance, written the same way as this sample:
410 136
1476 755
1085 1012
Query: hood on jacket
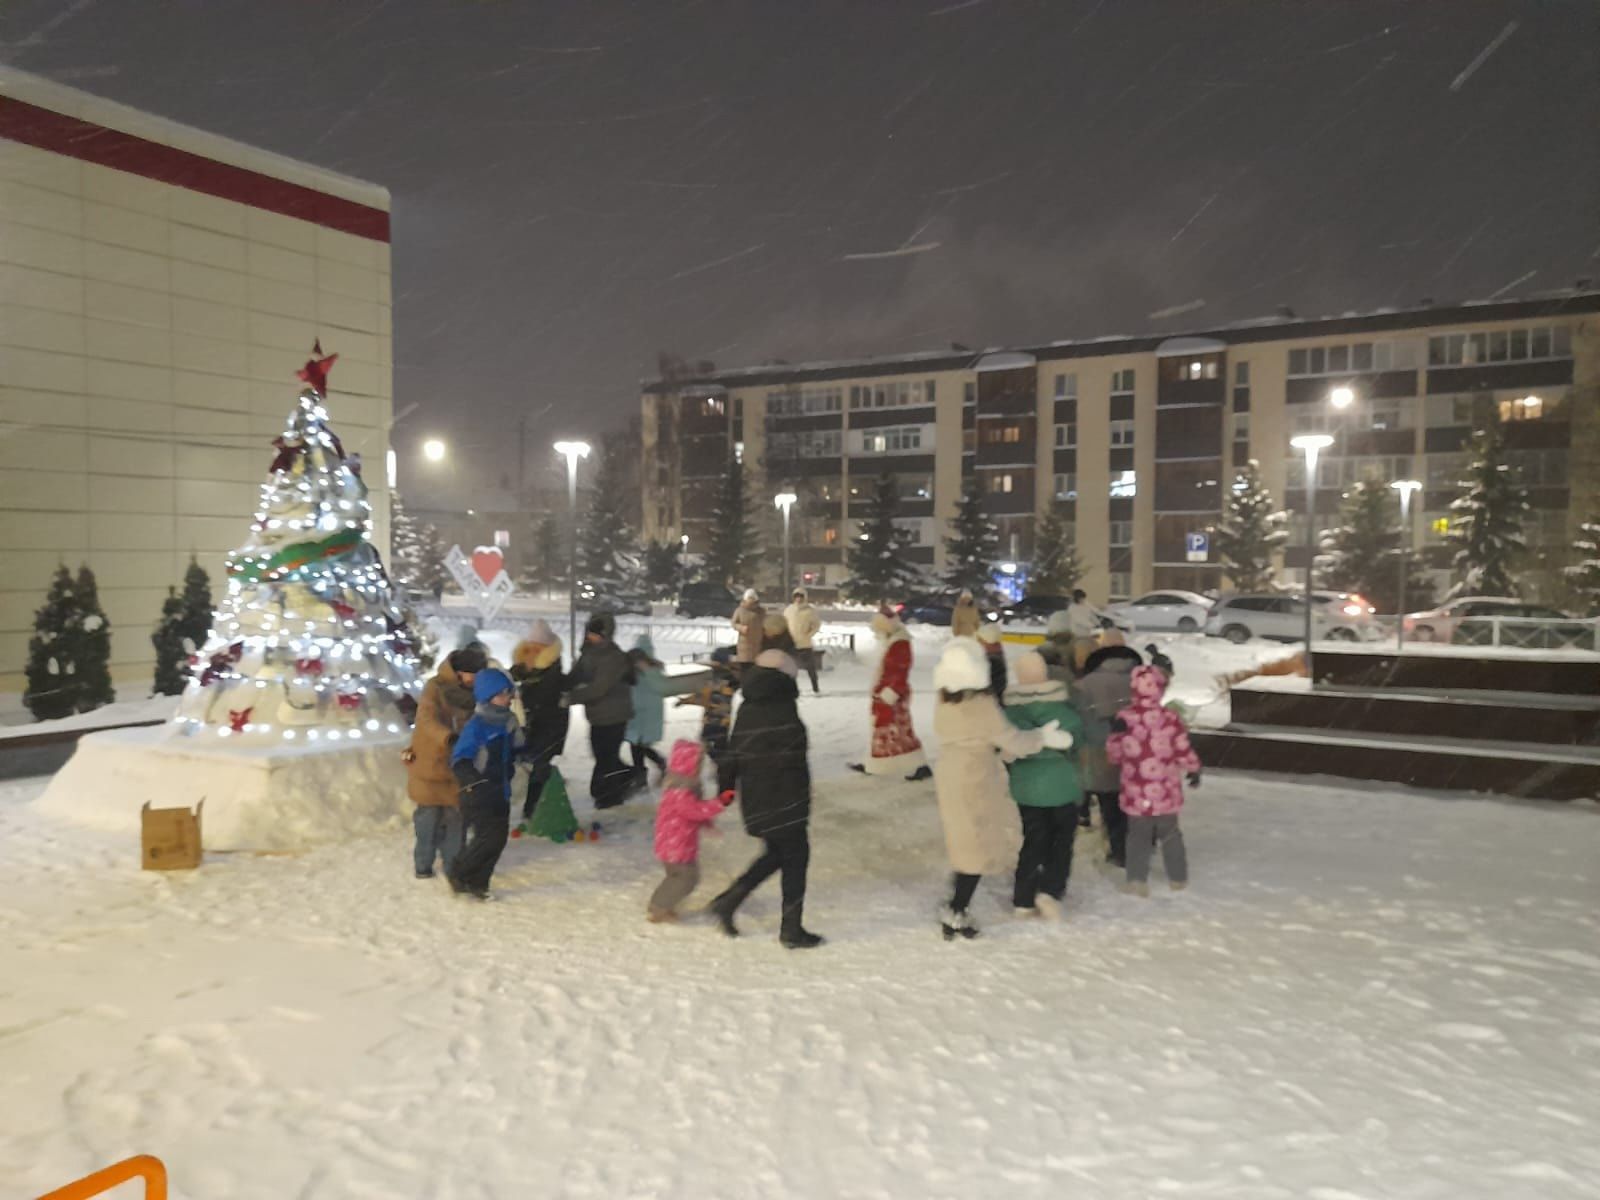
1118 658
1029 693
1149 685
800 597
489 684
685 759
1031 669
962 667
645 646
536 655
751 596
540 633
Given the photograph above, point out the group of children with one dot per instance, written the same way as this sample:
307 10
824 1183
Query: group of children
1022 755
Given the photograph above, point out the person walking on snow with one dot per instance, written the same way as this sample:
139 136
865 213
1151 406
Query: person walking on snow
982 832
766 763
804 625
747 620
895 748
1047 789
536 666
602 681
484 761
1104 690
965 617
442 713
680 817
1151 745
646 726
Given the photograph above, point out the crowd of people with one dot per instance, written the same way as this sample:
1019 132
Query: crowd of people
1025 752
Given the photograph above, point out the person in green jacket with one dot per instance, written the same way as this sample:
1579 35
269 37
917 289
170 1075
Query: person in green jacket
1047 787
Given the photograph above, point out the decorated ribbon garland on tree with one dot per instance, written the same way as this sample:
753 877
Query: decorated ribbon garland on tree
293 557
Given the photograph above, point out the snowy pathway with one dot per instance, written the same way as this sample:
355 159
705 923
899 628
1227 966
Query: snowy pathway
1365 994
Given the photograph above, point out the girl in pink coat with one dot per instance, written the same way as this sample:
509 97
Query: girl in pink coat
680 817
1151 745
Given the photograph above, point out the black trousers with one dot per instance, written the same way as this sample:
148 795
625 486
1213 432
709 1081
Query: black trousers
543 763
790 853
1116 823
1046 859
962 889
485 824
808 663
609 783
642 754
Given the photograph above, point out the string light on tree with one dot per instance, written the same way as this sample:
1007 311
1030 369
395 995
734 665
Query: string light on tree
308 642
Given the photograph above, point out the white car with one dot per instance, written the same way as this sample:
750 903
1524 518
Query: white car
1184 612
1335 616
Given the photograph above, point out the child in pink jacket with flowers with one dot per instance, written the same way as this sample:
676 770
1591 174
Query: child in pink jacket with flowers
680 817
1152 746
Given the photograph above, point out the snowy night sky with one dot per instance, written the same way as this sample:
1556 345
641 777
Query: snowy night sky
579 185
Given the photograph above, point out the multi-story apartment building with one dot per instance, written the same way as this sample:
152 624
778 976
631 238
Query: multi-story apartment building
1138 437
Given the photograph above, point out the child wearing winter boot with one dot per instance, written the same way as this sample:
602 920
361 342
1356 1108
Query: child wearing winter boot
1047 787
982 832
680 818
484 761
1151 745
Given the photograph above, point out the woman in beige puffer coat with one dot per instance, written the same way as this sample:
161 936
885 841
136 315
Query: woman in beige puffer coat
982 831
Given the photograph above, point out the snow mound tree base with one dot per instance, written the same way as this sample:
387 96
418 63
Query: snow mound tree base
257 798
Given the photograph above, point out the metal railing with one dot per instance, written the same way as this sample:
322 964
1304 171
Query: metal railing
1559 634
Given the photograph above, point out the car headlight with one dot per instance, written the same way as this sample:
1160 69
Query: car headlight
1352 610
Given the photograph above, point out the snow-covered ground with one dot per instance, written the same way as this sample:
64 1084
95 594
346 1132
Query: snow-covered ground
1364 994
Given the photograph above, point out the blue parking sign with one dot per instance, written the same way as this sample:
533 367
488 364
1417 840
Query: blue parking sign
1198 546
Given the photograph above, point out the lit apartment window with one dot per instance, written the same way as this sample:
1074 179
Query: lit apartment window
1122 382
830 536
1121 434
1384 415
1066 387
1002 483
738 452
1523 408
1066 436
1067 486
1124 484
1198 369
996 434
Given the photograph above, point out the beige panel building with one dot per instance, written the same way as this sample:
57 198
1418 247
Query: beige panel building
1138 438
159 287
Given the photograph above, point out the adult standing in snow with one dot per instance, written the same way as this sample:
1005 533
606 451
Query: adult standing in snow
765 762
1104 690
804 625
442 713
982 832
895 748
747 622
602 682
965 617
536 666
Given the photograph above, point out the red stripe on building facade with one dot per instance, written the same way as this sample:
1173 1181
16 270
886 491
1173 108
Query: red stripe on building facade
61 134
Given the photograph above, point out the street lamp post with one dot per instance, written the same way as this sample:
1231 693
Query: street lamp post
683 565
572 452
785 501
1405 487
1311 444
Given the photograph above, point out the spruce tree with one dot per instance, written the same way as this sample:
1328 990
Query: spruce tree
1486 520
195 623
172 656
1250 531
52 681
93 635
972 546
417 552
1583 576
608 546
547 565
878 557
1057 569
1361 553
663 568
735 549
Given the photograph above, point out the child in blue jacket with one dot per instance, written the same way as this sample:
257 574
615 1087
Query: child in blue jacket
483 762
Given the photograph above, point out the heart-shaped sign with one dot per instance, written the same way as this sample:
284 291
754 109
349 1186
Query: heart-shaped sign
488 562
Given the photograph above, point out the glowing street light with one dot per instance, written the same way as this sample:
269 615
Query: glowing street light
572 452
785 500
434 450
1405 487
1342 397
1311 444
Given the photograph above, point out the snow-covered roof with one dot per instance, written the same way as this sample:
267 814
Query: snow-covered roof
1005 360
1182 347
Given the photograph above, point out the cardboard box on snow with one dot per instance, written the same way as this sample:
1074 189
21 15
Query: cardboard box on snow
169 838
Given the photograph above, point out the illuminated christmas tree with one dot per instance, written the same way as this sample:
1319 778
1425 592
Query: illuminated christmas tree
308 645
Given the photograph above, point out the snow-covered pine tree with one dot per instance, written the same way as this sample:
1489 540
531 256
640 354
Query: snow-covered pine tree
1583 576
735 549
197 606
546 565
1057 569
608 544
1250 532
972 547
308 645
93 636
877 558
1486 520
1361 553
52 670
172 656
663 568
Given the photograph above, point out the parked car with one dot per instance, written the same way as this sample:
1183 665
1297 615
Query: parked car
1471 620
936 609
706 599
1279 617
1033 610
603 595
1184 612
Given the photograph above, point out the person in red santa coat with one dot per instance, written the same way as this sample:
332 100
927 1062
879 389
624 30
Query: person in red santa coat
895 748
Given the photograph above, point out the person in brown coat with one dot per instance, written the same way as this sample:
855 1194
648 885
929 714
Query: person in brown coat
965 617
748 620
444 709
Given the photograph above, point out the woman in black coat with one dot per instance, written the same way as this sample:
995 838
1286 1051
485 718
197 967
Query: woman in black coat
766 762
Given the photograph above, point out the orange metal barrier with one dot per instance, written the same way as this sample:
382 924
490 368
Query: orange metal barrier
142 1166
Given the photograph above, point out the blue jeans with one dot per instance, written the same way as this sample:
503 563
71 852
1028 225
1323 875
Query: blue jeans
438 833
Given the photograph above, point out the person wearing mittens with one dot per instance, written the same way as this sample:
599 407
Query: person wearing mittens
1047 788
